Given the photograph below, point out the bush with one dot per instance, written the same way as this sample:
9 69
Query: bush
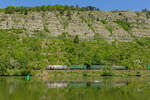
110 29
10 10
125 25
104 21
76 39
61 8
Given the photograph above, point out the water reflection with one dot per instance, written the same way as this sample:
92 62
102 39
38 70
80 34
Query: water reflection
56 84
84 84
17 88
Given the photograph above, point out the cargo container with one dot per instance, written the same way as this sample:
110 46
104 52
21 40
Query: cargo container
148 67
97 66
120 67
73 67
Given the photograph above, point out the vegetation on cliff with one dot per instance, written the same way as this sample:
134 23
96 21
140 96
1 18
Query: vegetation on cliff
25 53
25 10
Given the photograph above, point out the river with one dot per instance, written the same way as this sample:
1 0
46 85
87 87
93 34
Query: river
105 88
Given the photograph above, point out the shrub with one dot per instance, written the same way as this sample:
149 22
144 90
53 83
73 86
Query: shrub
76 39
110 29
10 10
46 28
65 25
125 25
104 21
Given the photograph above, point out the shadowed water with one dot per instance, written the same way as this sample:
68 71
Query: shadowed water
18 88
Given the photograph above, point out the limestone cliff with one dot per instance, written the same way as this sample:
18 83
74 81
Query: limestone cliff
111 25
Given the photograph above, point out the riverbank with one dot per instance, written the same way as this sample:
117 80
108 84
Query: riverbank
90 74
77 74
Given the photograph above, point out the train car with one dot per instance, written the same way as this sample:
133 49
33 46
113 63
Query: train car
148 67
83 67
120 67
97 67
75 67
56 67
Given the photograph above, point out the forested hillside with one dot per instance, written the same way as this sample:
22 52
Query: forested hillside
25 53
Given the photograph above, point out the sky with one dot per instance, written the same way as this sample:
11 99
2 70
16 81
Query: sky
135 5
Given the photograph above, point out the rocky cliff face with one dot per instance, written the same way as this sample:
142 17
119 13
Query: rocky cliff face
118 25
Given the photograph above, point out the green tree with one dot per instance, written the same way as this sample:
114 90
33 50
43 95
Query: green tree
10 10
76 39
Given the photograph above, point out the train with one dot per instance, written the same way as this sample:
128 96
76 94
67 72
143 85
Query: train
83 67
56 67
77 84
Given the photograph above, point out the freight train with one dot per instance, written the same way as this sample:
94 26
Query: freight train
85 84
83 67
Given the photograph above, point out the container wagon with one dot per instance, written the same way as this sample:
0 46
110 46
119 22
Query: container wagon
148 67
97 67
120 67
76 67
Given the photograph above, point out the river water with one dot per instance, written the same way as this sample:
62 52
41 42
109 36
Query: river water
105 88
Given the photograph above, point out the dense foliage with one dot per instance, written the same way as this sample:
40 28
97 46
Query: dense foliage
25 10
26 53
